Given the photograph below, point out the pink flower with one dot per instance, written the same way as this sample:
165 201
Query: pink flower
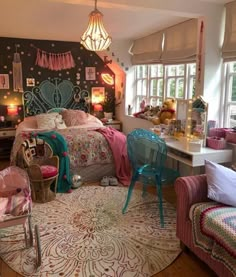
53 136
64 177
64 154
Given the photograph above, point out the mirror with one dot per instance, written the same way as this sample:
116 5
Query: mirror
192 114
199 118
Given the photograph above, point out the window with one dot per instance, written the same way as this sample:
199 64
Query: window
154 83
230 95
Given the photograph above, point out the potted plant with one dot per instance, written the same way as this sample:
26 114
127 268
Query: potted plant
109 106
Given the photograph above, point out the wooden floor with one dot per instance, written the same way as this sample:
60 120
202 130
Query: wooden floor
187 264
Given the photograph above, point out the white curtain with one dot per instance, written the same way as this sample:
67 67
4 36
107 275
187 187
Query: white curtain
229 45
147 50
180 43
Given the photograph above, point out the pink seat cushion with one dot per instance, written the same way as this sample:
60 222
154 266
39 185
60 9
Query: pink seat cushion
48 171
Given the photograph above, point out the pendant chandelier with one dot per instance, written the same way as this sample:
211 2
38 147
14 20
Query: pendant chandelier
95 38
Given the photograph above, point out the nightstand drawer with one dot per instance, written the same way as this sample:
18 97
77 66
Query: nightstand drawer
7 133
116 124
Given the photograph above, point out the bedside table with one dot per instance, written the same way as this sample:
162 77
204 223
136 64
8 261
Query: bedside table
7 136
116 124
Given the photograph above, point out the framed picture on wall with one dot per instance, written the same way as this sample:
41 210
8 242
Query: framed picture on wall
98 95
30 82
4 81
90 73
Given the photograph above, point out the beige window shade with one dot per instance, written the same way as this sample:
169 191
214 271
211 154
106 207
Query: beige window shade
147 50
229 45
180 43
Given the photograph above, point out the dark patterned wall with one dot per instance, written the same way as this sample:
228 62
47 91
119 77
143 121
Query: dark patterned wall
27 50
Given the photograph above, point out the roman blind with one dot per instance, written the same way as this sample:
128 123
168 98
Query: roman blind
180 43
147 50
229 45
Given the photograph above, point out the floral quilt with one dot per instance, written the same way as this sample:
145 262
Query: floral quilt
214 231
85 147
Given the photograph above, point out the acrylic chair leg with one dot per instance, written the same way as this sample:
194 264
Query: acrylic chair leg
144 188
131 186
159 194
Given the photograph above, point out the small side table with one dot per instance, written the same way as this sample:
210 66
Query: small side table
7 136
116 124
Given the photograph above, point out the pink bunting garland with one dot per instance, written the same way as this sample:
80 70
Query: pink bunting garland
55 62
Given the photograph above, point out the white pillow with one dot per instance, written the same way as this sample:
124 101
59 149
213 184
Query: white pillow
59 122
221 183
46 121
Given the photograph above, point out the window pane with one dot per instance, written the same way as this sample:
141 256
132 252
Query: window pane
141 71
139 87
153 102
180 70
171 70
160 87
232 116
192 69
154 71
160 70
191 92
233 89
180 88
153 87
171 88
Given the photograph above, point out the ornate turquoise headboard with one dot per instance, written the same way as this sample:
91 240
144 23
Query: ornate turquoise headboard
55 93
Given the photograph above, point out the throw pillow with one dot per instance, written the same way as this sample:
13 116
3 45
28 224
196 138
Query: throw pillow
74 117
60 124
221 183
46 121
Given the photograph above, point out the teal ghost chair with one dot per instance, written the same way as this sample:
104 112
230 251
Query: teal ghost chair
147 153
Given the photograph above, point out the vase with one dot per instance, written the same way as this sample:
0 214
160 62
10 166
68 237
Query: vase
108 115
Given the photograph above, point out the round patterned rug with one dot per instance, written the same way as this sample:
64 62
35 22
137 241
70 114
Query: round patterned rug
85 234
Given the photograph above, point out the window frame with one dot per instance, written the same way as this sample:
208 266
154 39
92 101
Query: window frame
187 76
228 104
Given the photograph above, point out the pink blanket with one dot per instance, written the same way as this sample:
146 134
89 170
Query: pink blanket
117 142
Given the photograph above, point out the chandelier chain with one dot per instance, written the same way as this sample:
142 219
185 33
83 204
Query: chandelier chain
95 5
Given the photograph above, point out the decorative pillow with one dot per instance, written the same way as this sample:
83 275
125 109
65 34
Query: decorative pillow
74 117
46 121
59 122
221 183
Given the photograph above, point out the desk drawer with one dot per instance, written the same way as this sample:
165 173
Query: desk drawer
7 133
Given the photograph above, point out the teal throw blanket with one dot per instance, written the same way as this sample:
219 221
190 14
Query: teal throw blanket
59 147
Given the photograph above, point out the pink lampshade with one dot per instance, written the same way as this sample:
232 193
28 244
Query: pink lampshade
97 107
12 110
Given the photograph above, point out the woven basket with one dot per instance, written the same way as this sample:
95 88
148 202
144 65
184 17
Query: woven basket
216 143
231 137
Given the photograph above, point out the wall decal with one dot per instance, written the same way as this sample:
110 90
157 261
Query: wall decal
30 82
4 81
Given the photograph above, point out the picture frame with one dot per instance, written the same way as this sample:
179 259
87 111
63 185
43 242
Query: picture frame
90 73
30 82
98 94
4 81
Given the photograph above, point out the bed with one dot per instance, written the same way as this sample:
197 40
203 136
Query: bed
90 151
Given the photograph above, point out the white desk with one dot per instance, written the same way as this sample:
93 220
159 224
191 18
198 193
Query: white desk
177 151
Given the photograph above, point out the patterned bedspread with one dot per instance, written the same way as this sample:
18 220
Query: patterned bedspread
85 147
214 231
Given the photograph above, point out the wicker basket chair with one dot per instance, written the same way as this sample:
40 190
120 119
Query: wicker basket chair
42 167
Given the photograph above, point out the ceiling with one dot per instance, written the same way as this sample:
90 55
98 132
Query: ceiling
123 19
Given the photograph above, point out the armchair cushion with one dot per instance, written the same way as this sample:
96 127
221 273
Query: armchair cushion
48 171
221 183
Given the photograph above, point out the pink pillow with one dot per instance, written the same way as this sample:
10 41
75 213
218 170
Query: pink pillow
74 117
